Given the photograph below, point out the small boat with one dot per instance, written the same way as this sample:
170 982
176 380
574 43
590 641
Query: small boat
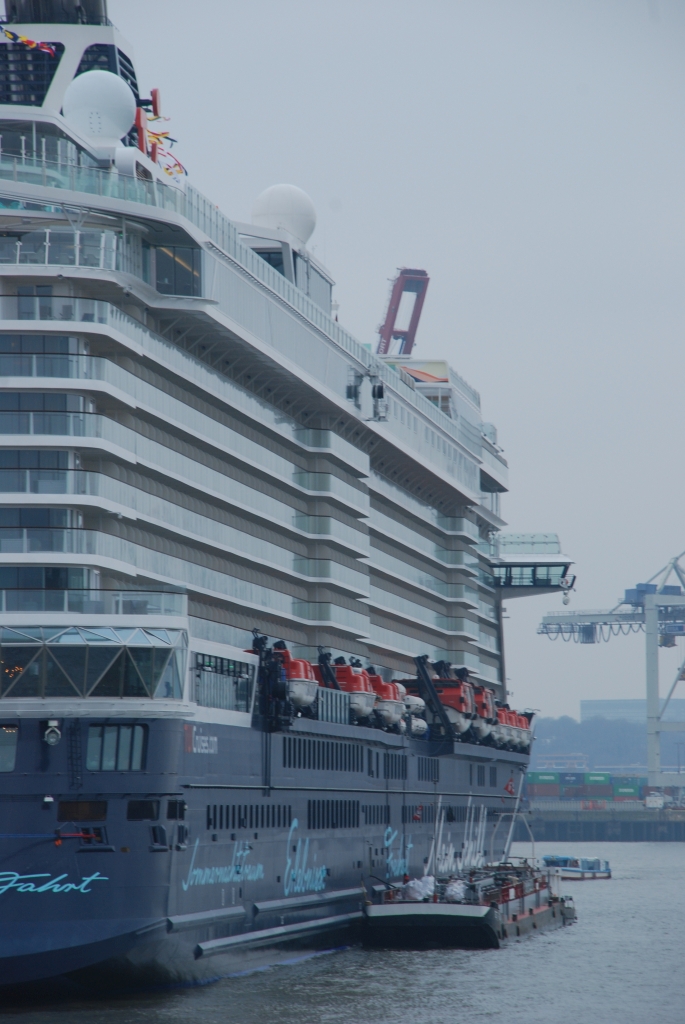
481 911
578 869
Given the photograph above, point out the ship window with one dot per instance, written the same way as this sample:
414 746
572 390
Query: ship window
481 775
116 748
9 734
493 778
27 74
142 810
274 257
81 810
178 270
223 683
176 810
470 775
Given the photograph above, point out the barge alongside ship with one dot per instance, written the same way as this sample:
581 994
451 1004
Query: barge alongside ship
192 446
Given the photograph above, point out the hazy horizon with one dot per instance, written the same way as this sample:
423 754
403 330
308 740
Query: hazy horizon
530 156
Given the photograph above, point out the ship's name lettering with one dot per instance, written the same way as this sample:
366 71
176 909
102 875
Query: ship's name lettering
196 742
397 862
299 876
239 870
31 883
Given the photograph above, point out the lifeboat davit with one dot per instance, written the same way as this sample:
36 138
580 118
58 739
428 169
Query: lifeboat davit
302 685
458 703
389 702
355 681
484 703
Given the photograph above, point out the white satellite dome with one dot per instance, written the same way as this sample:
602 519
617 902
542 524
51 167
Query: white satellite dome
285 208
100 107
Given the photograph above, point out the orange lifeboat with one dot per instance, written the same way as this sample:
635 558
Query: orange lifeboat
484 702
523 732
355 681
301 682
501 732
458 703
389 703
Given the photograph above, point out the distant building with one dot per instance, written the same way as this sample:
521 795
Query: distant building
629 710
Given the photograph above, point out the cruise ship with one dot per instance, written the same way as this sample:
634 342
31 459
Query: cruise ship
251 572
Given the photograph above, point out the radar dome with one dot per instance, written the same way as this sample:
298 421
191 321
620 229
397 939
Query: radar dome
286 208
100 107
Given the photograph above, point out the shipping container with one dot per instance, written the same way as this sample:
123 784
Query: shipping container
543 778
599 791
597 779
629 780
572 778
540 789
631 791
573 792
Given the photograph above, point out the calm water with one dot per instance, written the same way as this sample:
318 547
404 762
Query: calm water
621 964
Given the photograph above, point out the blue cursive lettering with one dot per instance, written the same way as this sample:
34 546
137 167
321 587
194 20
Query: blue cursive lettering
298 877
397 862
22 883
237 871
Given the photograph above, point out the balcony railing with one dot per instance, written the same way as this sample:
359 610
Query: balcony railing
94 602
30 540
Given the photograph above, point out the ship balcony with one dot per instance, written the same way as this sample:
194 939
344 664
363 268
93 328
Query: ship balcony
93 602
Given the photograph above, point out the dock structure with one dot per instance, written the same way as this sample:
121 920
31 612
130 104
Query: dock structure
658 609
637 825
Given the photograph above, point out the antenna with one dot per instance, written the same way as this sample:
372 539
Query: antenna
407 281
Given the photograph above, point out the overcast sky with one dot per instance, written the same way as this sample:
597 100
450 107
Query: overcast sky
530 155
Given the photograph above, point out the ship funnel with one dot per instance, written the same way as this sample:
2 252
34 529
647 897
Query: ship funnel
57 12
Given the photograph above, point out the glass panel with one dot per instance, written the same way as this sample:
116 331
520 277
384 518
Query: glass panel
138 637
170 686
72 661
14 661
183 278
99 659
94 753
32 247
142 658
101 635
133 684
8 249
62 249
30 681
69 636
159 634
89 255
125 635
110 684
14 636
138 748
56 683
165 271
109 747
9 735
124 753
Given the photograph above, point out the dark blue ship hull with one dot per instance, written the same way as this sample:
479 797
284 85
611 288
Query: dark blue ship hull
234 848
